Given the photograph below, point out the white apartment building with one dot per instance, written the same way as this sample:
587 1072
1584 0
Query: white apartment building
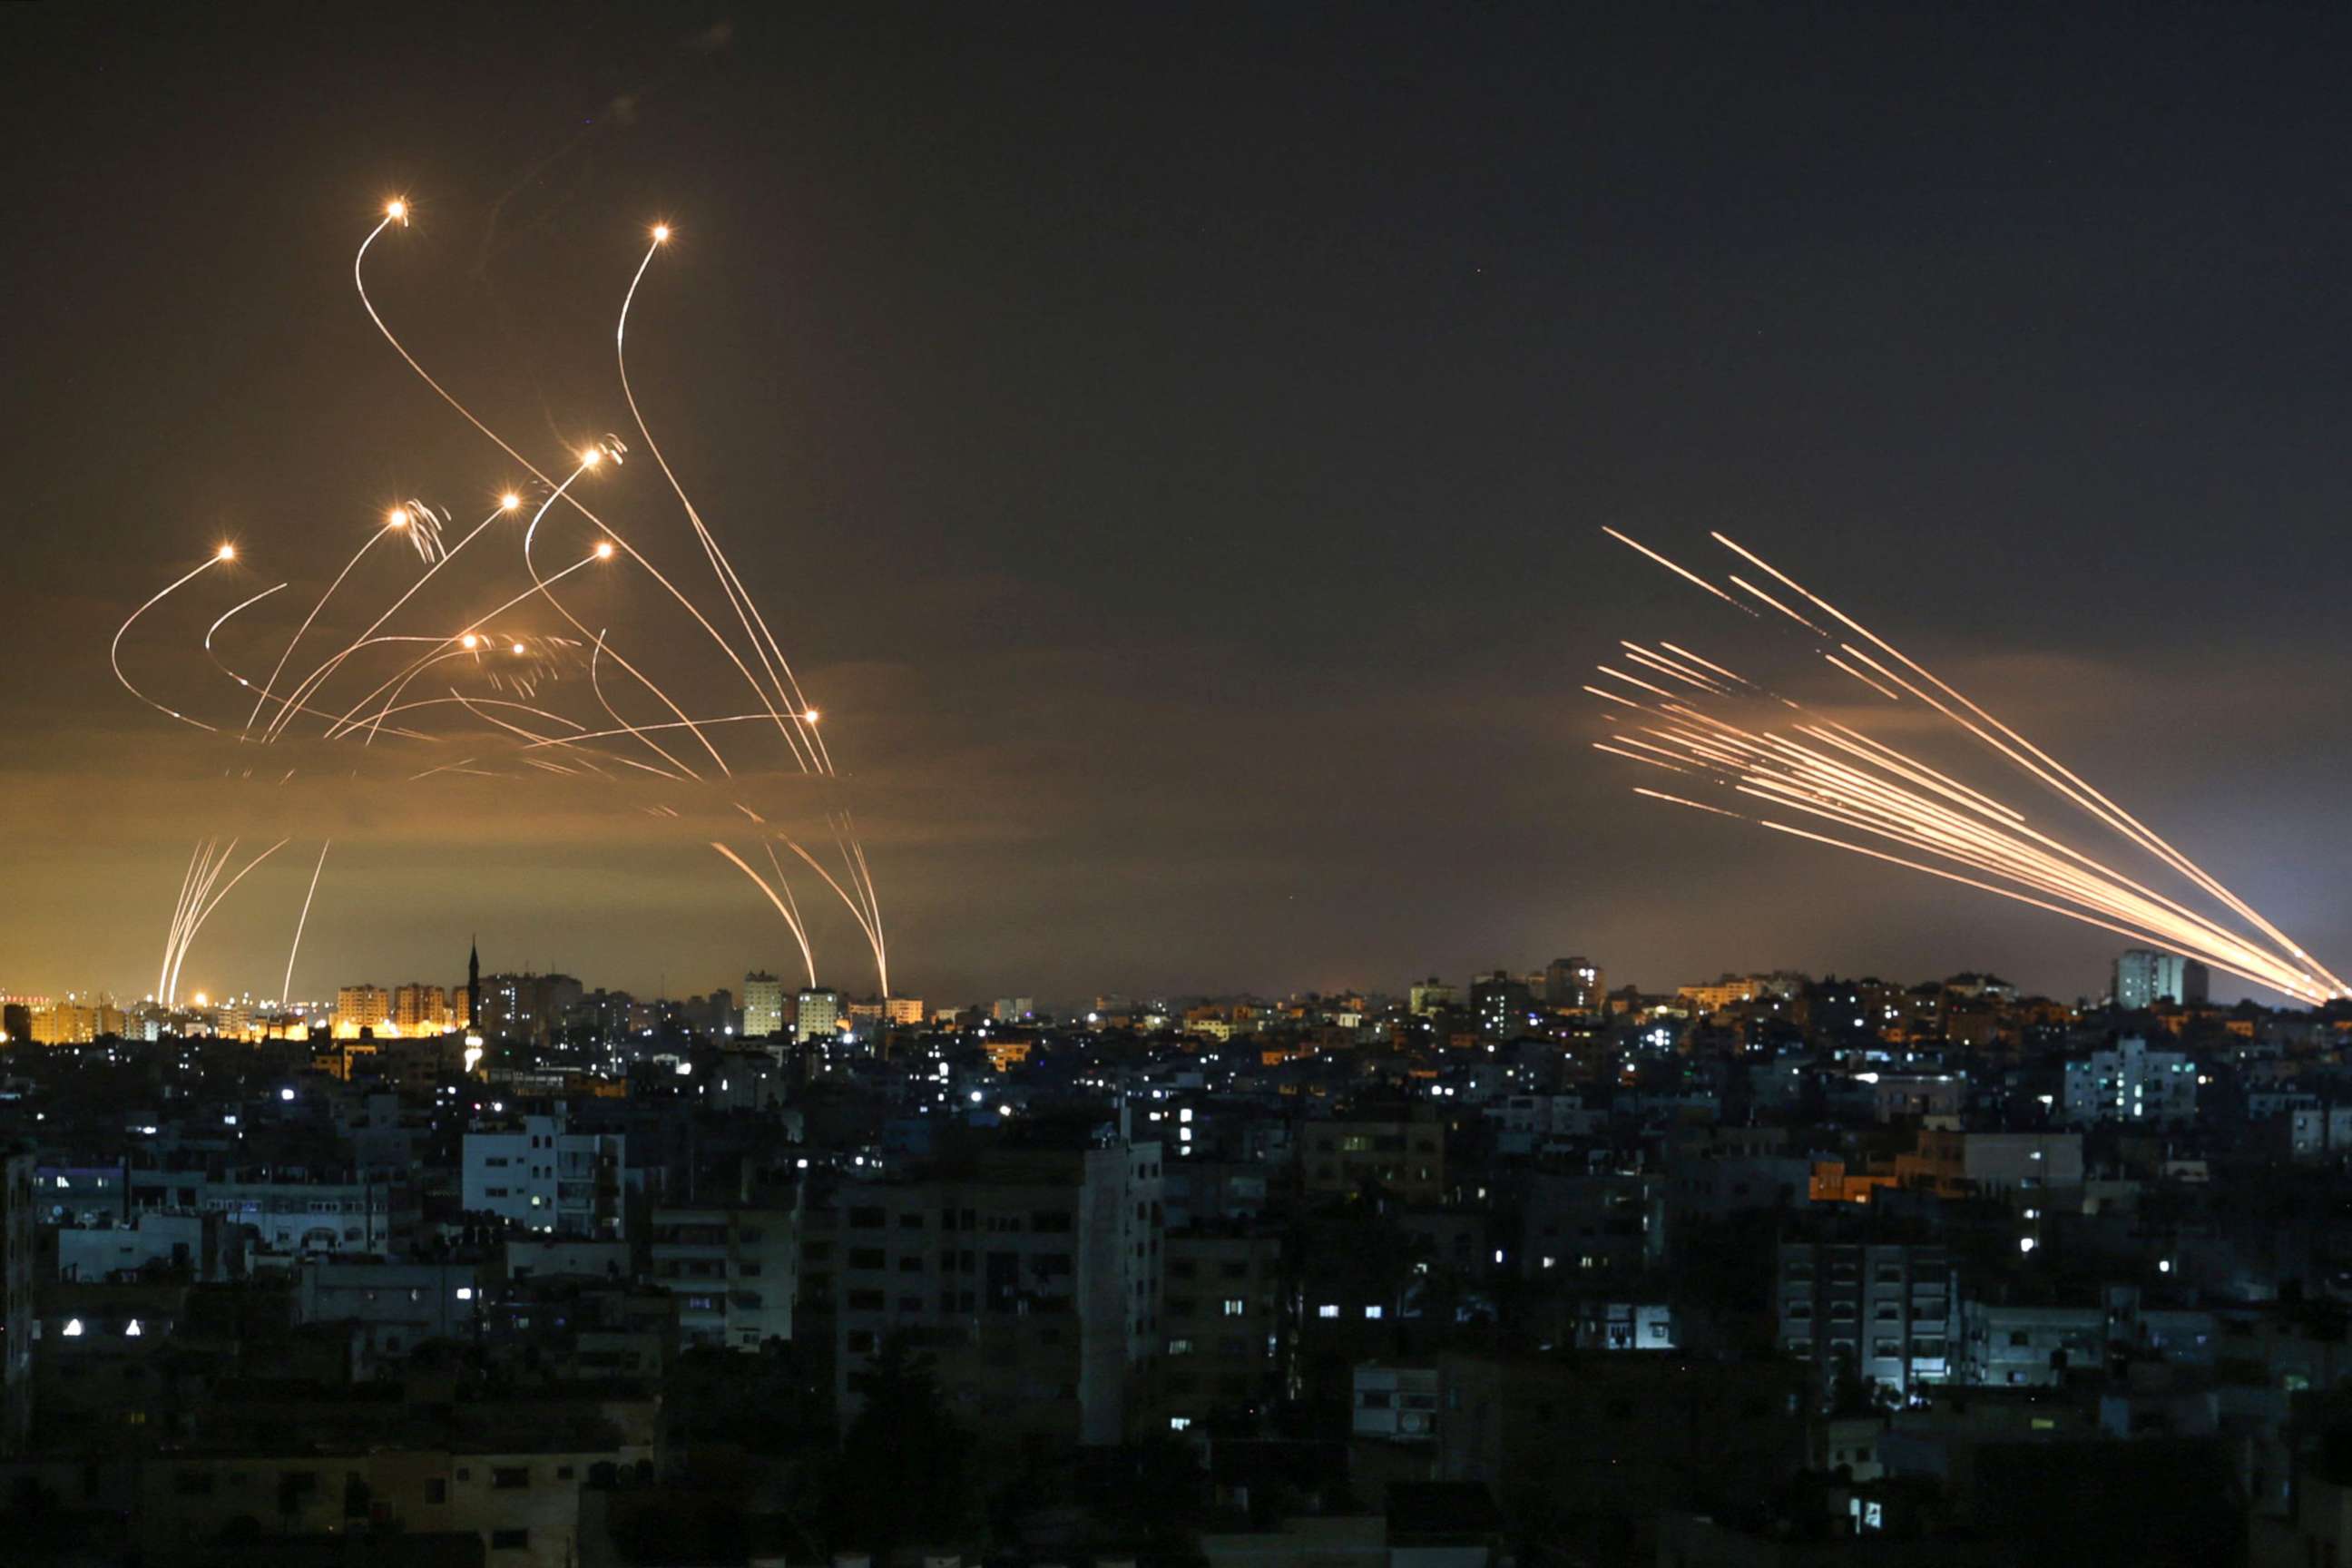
534 1173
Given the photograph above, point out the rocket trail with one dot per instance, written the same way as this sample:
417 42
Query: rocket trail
359 281
781 896
1837 775
310 682
114 649
801 735
399 520
517 682
285 986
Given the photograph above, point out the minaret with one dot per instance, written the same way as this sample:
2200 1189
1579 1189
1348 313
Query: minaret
473 1005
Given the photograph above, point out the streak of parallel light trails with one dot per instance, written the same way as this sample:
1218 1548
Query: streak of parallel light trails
1836 774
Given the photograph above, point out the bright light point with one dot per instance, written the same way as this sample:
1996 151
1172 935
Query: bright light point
591 458
202 1000
472 641
809 717
604 549
661 233
396 518
510 502
396 210
225 553
518 647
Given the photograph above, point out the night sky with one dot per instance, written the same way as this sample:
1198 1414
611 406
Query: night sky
1173 449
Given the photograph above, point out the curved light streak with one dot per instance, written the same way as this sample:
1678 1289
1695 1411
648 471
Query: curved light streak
114 648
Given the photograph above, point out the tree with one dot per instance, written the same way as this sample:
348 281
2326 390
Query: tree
904 1475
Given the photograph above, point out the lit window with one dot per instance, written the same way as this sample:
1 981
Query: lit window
1374 1311
1328 1309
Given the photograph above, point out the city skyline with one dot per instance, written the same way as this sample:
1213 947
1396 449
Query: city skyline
1417 787
1192 774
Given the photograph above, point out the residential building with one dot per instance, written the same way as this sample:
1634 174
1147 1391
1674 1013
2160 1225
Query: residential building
1431 994
17 1250
734 1269
1222 1317
2130 1083
1575 982
205 1246
1603 1325
359 1007
74 1023
1884 1312
1503 1006
763 1005
283 1212
392 1307
818 1014
1395 1403
1405 1156
528 1006
536 1174
2028 1346
2145 976
1034 1276
420 1009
